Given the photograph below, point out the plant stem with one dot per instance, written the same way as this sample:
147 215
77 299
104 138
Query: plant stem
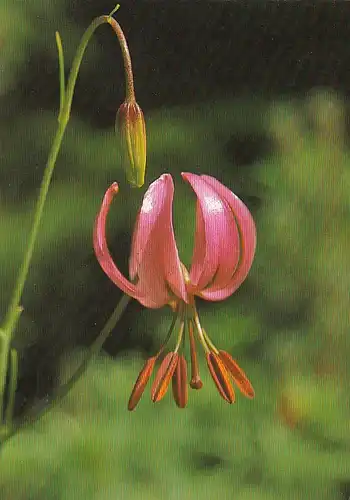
12 317
94 349
34 414
129 79
13 312
61 72
5 345
64 118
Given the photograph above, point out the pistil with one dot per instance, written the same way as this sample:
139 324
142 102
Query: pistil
195 382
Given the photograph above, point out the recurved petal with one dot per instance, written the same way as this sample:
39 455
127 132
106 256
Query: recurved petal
237 374
154 256
216 248
102 252
247 235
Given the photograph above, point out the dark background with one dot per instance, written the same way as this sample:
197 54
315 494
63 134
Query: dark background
188 52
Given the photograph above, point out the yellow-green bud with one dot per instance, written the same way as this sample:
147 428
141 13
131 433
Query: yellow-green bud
132 127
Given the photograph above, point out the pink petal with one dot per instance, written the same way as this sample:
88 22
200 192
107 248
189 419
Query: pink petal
216 249
101 249
105 259
247 232
154 256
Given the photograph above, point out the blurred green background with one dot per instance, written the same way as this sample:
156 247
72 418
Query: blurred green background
255 95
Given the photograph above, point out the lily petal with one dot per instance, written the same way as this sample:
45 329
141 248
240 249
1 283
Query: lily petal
101 249
247 231
214 260
154 260
154 256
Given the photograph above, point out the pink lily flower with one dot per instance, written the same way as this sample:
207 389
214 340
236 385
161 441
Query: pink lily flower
224 248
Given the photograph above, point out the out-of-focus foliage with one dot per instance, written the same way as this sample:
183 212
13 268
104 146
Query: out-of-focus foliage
287 325
91 447
110 453
26 27
303 264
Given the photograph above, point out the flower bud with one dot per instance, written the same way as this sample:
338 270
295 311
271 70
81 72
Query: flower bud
133 138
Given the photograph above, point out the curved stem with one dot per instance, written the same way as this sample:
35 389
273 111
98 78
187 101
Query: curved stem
35 413
12 314
61 71
129 78
65 114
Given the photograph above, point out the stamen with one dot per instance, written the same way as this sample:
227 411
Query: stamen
180 391
177 311
163 377
209 342
237 374
141 382
220 377
196 382
200 331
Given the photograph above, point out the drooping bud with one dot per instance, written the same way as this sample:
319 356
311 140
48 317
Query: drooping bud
131 124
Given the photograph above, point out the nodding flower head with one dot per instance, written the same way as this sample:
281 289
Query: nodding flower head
224 247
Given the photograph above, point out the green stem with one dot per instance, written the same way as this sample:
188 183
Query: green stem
35 414
61 72
65 114
4 349
11 317
129 78
5 345
12 312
